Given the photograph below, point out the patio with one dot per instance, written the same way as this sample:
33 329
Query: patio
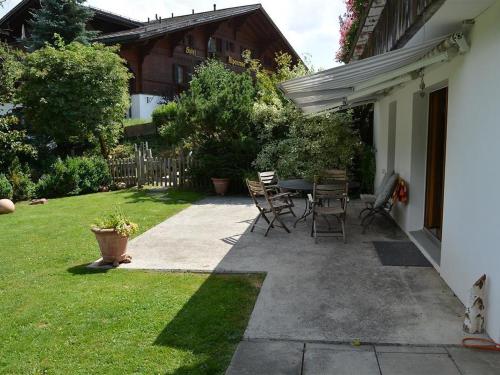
330 292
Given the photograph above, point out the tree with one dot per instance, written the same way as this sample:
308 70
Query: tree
14 143
213 119
75 94
66 18
10 71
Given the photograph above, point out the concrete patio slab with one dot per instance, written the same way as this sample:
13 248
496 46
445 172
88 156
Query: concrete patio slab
196 239
263 358
416 364
324 360
326 292
475 362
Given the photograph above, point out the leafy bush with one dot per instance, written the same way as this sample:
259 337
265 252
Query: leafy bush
6 190
312 145
213 120
74 176
22 185
117 221
164 113
14 142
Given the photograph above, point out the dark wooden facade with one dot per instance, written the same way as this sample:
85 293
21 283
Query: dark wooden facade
397 24
163 66
163 53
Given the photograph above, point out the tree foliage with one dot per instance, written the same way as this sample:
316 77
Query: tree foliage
291 143
76 94
10 71
213 120
311 146
14 143
66 18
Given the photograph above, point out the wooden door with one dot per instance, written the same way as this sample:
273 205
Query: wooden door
436 161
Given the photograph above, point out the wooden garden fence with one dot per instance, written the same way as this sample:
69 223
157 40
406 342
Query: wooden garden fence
144 169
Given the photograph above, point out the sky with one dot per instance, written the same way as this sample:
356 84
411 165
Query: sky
311 26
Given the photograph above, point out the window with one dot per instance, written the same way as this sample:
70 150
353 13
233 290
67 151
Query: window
179 74
212 48
229 46
218 43
189 40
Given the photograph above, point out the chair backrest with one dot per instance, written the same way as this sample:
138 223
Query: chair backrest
332 175
256 189
331 191
268 178
386 191
384 182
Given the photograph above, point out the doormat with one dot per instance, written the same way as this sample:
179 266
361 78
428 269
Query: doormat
400 253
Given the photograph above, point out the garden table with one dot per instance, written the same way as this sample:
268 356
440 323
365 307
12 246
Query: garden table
300 186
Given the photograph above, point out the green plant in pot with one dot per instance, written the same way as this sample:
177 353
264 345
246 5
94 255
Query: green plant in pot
112 233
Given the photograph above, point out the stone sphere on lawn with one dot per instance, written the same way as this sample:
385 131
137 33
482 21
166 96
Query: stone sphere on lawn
6 206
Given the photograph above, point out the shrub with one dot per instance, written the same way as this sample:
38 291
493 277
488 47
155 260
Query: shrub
74 176
6 190
22 186
164 113
312 145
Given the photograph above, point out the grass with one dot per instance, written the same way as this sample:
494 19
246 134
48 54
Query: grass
58 317
136 121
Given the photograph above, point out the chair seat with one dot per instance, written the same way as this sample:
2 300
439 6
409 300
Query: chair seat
368 198
278 205
329 210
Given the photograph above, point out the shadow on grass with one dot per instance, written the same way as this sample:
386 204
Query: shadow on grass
161 195
84 270
211 324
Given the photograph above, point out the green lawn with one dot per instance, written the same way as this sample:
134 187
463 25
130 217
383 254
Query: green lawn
136 121
58 317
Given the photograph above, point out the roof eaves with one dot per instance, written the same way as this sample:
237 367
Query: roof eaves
14 10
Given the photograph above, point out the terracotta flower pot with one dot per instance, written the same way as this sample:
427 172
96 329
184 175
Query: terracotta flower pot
221 185
113 246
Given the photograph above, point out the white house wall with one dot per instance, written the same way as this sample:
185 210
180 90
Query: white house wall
142 106
471 227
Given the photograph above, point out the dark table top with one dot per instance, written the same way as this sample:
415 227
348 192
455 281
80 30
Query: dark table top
296 185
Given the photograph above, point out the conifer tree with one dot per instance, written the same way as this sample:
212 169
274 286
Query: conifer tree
67 18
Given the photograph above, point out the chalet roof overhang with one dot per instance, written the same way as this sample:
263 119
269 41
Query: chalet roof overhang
27 5
366 81
166 26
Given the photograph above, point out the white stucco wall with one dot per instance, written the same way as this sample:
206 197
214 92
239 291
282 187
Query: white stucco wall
471 228
142 106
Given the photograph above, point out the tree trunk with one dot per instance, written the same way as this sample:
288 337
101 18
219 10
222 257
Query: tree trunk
104 146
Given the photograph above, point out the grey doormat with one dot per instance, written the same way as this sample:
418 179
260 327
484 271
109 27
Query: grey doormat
400 253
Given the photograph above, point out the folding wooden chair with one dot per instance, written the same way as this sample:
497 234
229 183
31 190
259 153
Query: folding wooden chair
275 205
336 193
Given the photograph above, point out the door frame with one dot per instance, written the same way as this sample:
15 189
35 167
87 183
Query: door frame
435 176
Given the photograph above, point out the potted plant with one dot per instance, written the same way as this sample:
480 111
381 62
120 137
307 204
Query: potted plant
112 233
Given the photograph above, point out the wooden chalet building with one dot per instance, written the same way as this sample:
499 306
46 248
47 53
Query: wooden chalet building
162 53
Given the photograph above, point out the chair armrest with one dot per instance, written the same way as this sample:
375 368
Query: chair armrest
279 196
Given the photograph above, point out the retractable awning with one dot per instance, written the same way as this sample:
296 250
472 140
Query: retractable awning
364 81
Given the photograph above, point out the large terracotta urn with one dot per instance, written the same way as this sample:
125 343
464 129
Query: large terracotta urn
7 206
221 185
113 246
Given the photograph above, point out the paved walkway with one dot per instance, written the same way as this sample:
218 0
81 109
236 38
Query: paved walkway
277 358
329 292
